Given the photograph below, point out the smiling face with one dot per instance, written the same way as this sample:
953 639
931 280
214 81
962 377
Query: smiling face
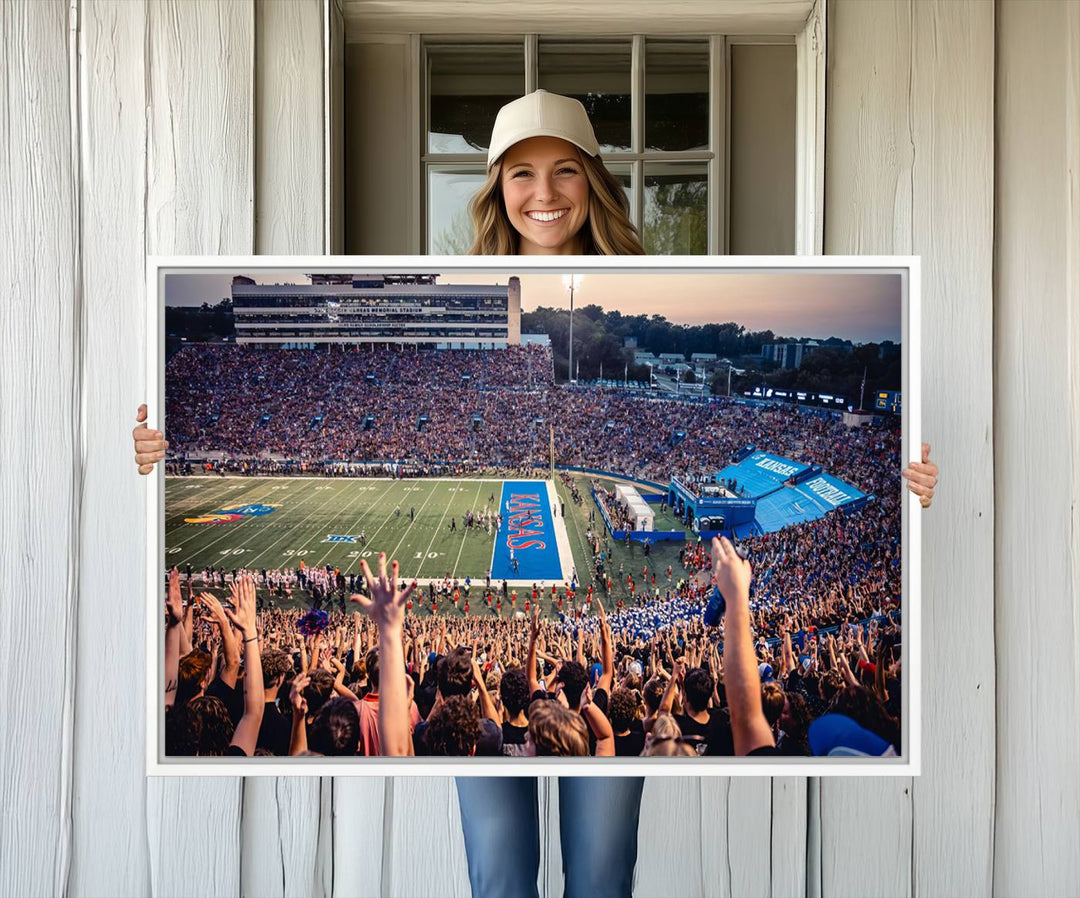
546 195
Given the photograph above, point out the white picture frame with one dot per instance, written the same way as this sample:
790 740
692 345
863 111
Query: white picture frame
908 763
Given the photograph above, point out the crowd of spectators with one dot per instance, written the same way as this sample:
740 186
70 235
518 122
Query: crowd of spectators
396 683
265 409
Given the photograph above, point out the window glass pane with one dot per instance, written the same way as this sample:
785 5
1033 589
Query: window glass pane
623 175
597 74
676 209
467 85
449 191
676 95
762 194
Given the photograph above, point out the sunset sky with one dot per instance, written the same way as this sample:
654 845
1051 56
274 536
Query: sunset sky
855 306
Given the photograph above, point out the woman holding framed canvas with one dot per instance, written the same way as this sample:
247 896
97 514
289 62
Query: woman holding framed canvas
548 193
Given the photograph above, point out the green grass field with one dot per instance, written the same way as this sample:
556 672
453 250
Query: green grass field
308 510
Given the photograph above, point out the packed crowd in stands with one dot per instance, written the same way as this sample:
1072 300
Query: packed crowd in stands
240 681
261 408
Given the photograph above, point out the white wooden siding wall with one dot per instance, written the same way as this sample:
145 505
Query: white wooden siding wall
909 170
180 127
1037 450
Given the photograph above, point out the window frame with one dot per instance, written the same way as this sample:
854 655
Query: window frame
809 110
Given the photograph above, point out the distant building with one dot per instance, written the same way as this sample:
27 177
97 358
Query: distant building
535 340
378 308
888 350
671 358
789 355
702 357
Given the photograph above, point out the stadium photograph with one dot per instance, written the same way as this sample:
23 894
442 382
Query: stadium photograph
520 514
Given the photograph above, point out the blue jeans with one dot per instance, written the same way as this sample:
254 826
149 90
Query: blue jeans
598 823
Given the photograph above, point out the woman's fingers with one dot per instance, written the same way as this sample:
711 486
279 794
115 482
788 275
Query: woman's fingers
921 489
929 480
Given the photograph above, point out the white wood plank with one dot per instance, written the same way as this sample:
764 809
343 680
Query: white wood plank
280 838
199 200
868 197
282 817
40 444
110 748
358 835
735 834
788 842
868 152
334 125
952 126
670 839
200 189
1037 448
193 827
866 837
423 847
289 132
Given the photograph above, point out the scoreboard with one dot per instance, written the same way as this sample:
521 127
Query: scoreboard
887 401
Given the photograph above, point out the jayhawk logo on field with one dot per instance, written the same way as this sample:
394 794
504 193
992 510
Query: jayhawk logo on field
224 515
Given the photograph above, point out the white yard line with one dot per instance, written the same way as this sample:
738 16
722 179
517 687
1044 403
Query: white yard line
412 523
435 533
249 562
562 538
465 531
360 494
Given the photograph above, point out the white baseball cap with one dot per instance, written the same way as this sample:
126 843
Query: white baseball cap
541 114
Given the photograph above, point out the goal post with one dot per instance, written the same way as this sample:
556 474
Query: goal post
551 430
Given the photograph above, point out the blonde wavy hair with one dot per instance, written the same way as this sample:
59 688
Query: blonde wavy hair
665 740
607 231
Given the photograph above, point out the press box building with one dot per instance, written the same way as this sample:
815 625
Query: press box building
378 308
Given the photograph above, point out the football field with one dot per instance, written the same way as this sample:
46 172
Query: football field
277 522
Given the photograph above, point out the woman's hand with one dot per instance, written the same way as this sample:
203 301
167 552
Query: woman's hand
922 477
387 603
150 445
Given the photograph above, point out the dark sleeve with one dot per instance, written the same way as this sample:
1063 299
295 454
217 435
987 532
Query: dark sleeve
767 751
230 695
600 699
235 751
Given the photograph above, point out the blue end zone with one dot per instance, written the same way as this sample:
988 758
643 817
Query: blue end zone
528 529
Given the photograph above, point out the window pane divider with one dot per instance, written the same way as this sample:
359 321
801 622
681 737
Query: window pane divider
717 180
637 132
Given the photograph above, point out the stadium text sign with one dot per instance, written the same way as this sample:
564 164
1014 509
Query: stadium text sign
827 492
525 512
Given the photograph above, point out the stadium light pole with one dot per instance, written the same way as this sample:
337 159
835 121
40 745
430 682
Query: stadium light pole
570 281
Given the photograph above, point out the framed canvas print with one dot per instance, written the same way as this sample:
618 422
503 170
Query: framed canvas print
506 516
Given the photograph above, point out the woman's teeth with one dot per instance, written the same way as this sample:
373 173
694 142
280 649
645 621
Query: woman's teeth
546 216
